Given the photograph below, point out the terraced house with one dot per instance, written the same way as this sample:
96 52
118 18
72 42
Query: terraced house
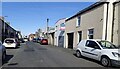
98 21
1 27
6 31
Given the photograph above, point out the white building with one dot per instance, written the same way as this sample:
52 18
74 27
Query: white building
59 32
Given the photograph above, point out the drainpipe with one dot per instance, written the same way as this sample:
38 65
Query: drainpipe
113 23
106 22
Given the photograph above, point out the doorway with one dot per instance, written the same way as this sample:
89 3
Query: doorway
70 40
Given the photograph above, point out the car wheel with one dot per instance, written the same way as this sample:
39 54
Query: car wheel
105 61
78 54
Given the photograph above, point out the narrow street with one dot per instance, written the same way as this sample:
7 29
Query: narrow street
35 55
47 33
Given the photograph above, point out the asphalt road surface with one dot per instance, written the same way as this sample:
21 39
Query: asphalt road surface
32 54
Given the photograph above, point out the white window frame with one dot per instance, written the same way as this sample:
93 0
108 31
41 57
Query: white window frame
90 34
79 35
78 22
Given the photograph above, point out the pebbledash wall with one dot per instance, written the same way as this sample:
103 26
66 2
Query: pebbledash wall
94 22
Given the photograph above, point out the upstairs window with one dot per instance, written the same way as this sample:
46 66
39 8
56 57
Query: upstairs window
78 21
56 27
62 26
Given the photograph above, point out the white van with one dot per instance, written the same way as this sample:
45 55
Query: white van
101 50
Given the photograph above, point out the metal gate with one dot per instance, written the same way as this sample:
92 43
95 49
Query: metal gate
61 41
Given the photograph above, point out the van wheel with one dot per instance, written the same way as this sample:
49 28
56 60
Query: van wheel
78 54
105 61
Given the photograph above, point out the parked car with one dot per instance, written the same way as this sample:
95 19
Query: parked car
17 41
2 52
104 51
25 39
11 42
38 40
21 40
34 40
44 42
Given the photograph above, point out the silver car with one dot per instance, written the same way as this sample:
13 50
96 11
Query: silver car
2 52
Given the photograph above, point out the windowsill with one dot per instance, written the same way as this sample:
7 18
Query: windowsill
77 26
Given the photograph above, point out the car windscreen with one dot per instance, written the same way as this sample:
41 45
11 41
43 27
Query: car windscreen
9 41
107 45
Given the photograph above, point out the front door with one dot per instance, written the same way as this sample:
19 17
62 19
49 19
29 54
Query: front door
70 40
61 41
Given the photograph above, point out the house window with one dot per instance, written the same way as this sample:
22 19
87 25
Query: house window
56 28
90 33
62 26
78 21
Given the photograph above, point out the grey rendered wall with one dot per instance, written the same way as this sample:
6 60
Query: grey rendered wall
70 27
90 19
116 29
119 23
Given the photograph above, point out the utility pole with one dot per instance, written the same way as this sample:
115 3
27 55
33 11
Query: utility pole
47 26
4 23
